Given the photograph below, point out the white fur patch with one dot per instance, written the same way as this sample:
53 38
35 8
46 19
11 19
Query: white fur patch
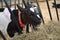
4 19
32 9
38 16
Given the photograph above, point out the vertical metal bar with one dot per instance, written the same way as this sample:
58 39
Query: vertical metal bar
15 3
40 11
56 10
1 3
25 3
18 2
2 35
22 3
10 3
49 9
27 28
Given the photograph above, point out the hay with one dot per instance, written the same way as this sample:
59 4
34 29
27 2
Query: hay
50 31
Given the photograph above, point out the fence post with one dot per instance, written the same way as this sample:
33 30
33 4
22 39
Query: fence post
40 11
56 10
49 9
2 35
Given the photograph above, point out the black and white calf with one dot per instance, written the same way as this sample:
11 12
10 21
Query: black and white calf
9 26
6 23
4 19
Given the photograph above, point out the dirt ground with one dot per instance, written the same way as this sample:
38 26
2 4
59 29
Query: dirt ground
49 31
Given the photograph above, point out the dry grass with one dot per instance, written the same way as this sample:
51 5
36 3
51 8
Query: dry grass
50 31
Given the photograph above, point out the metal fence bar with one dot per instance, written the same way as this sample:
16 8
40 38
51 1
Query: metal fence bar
18 2
2 35
22 3
56 10
15 3
27 28
25 4
1 3
10 3
49 9
40 11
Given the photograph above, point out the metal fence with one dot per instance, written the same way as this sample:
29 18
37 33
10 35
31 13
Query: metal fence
14 2
10 3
